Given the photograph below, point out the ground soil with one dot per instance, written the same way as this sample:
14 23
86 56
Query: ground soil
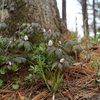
79 84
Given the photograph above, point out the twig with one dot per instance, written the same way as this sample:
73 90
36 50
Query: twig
41 95
6 91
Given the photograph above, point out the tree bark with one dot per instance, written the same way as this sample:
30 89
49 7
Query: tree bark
94 17
44 12
64 17
85 18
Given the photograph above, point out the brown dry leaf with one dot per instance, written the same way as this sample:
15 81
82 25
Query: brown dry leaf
4 97
67 94
50 82
5 91
41 95
77 64
20 96
66 36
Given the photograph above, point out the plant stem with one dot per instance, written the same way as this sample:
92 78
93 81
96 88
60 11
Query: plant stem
53 97
43 75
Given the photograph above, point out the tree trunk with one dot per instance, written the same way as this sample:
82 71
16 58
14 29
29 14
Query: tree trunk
85 18
94 17
43 12
64 17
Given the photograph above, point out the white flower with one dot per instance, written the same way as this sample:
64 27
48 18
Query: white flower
10 42
44 30
59 42
10 63
50 43
14 39
25 37
62 60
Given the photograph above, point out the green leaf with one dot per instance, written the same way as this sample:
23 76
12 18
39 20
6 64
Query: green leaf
14 68
29 77
22 33
19 60
15 86
58 53
95 64
2 58
32 67
1 83
2 71
38 68
20 44
54 65
50 50
27 46
42 47
98 74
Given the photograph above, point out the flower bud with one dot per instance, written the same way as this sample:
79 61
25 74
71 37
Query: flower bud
59 42
10 42
10 63
62 60
44 30
50 43
25 37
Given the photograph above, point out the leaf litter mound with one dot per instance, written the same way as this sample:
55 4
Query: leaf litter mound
79 84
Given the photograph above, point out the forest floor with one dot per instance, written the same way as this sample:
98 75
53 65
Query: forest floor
79 84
